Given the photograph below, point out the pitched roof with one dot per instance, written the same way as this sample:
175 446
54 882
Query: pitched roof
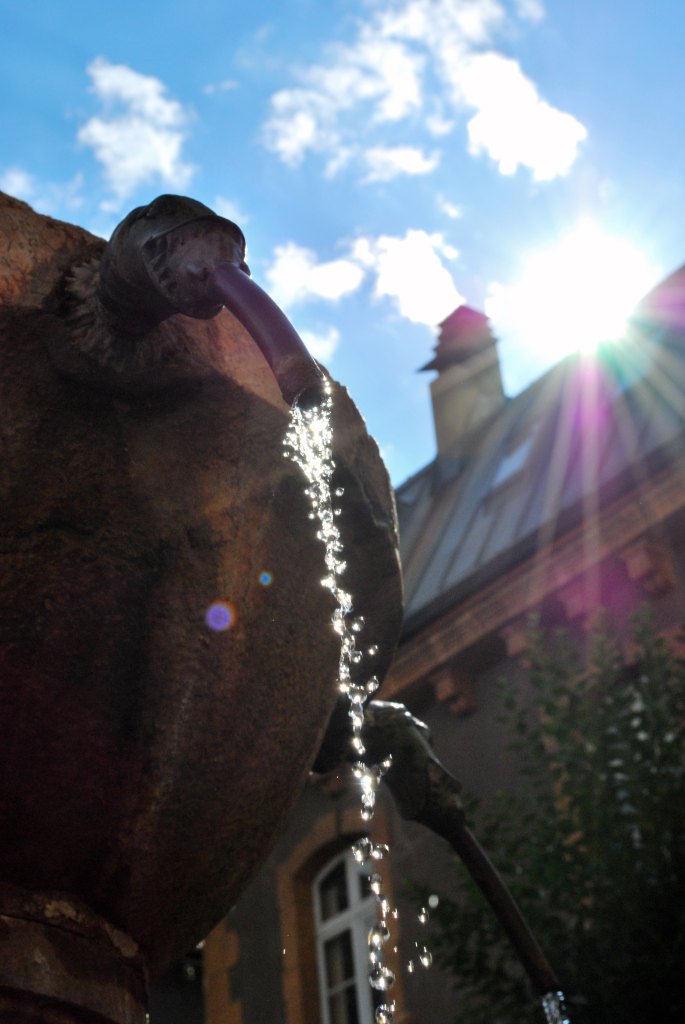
586 430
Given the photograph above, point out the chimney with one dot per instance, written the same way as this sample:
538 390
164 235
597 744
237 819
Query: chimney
468 388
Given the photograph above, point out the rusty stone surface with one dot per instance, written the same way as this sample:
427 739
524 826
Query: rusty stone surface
54 948
147 762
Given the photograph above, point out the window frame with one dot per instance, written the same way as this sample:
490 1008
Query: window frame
358 918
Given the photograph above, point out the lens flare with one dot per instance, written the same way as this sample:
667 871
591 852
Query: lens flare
265 578
220 615
574 294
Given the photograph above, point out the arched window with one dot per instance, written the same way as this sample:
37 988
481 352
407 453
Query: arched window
344 912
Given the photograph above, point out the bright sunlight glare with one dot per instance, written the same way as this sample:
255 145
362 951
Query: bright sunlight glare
572 295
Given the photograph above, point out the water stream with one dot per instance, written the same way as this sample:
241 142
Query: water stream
309 443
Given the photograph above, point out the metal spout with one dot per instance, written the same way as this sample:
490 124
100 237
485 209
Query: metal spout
177 256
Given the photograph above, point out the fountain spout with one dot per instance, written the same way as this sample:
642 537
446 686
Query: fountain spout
177 256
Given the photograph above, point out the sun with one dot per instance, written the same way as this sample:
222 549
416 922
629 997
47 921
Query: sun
572 295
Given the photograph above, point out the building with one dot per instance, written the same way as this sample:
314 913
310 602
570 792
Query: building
569 497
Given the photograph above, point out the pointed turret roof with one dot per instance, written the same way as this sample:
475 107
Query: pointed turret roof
463 333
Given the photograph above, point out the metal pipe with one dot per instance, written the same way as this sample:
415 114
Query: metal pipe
298 376
426 792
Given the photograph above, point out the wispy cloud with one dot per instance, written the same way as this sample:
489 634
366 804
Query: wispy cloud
387 162
53 198
322 344
378 73
231 210
227 85
139 136
530 10
449 208
433 58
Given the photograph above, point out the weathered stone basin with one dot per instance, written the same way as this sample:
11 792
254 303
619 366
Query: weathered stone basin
147 761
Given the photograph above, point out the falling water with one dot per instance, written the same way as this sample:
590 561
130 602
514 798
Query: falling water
553 1007
308 442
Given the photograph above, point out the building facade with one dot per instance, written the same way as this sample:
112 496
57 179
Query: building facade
561 501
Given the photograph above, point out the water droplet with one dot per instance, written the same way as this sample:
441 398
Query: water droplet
357 716
433 900
411 967
362 849
339 491
384 1013
372 651
357 746
372 684
357 624
375 883
426 957
423 915
381 978
384 906
378 935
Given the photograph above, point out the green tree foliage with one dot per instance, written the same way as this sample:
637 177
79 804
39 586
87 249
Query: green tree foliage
592 843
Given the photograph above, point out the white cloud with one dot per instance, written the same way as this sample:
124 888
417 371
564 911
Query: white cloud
387 162
448 251
449 208
382 74
18 183
321 344
344 101
530 10
139 135
229 209
513 125
407 270
227 85
49 197
438 125
295 275
410 272
442 23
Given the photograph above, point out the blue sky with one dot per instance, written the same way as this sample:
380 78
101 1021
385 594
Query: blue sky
387 160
